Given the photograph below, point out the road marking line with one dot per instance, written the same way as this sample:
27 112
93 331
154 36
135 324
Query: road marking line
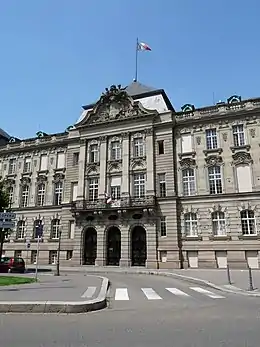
207 292
151 294
89 292
121 294
176 291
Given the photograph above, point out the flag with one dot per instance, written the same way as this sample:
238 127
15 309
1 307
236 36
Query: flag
141 46
108 198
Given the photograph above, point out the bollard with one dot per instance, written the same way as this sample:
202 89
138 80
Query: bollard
228 275
251 287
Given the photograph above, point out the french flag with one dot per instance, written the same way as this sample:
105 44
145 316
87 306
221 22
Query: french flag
141 46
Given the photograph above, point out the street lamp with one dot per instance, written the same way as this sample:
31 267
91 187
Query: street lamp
58 256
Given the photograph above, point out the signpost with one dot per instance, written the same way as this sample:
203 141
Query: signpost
28 245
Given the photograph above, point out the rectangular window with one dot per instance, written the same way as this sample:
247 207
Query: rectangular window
12 166
238 135
248 222
138 147
41 194
93 189
20 230
55 229
10 191
244 178
71 229
188 182
75 159
58 189
44 163
60 160
215 180
211 139
190 224
33 257
162 185
160 146
93 155
74 191
218 223
17 254
27 165
186 143
163 227
115 187
115 150
69 255
139 185
53 257
25 196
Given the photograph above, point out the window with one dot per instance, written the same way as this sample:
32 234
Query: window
115 150
20 230
75 158
162 185
33 257
138 147
74 191
12 166
244 178
10 192
93 189
218 223
115 187
186 143
44 163
69 255
211 139
60 160
25 196
71 229
58 189
248 222
161 147
188 182
215 181
139 185
163 228
53 257
190 224
17 254
93 153
55 229
238 135
37 228
40 194
27 165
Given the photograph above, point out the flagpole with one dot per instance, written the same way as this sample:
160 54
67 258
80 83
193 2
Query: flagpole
136 60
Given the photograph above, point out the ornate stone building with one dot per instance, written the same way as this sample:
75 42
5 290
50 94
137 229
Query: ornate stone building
134 183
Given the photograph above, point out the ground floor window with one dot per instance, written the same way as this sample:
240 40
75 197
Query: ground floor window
52 257
33 257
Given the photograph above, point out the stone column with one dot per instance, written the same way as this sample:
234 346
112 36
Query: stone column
82 161
101 247
125 260
149 162
103 167
151 244
125 165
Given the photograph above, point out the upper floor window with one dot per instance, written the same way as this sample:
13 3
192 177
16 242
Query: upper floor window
138 147
238 135
60 160
139 185
25 196
248 222
27 165
93 189
115 150
75 160
190 224
211 139
162 185
215 180
20 230
10 192
115 187
58 189
218 223
12 166
186 143
93 155
44 162
55 229
160 147
40 194
37 228
163 227
74 191
188 182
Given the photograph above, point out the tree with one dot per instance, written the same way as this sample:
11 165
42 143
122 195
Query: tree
4 204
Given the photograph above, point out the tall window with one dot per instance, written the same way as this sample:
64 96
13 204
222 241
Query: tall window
12 166
211 139
41 194
248 222
75 159
10 192
190 224
27 165
60 160
238 135
218 223
188 182
44 162
162 185
55 228
58 189
20 230
163 227
37 228
115 150
25 196
138 147
93 158
93 189
53 257
215 180
139 185
115 192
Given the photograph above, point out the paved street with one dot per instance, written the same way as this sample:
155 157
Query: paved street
196 320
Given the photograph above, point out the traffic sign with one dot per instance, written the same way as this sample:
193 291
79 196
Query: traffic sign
7 225
7 215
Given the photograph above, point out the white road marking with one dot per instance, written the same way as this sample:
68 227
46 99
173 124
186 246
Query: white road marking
207 292
121 294
176 291
151 294
89 292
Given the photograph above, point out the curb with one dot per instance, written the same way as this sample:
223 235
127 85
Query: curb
58 306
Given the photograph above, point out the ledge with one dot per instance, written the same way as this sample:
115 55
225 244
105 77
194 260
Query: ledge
187 154
192 238
249 237
219 237
213 150
239 148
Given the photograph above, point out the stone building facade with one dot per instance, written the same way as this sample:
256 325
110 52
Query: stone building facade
134 183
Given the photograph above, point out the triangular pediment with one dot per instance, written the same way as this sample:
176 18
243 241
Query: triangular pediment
115 104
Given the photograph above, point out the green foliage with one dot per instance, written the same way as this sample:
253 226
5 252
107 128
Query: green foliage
4 197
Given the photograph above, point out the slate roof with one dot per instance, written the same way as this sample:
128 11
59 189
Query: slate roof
136 88
4 134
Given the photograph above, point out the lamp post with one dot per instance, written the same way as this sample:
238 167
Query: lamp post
58 256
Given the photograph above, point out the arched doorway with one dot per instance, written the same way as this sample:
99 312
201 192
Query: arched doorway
90 246
138 246
113 246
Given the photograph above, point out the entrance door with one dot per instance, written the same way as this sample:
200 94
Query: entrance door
113 246
138 246
90 247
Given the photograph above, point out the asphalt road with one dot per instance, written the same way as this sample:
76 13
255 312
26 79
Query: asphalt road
196 320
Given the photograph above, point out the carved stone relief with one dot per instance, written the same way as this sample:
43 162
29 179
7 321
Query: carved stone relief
225 136
213 160
187 163
92 168
241 158
25 181
137 163
115 166
58 177
198 140
252 133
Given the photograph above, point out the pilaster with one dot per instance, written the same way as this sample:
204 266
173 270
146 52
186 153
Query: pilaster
82 159
125 164
103 166
150 162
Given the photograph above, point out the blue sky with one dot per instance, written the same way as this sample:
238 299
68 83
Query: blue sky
59 55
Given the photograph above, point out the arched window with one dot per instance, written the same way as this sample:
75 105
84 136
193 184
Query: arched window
20 230
218 223
190 224
248 222
55 229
